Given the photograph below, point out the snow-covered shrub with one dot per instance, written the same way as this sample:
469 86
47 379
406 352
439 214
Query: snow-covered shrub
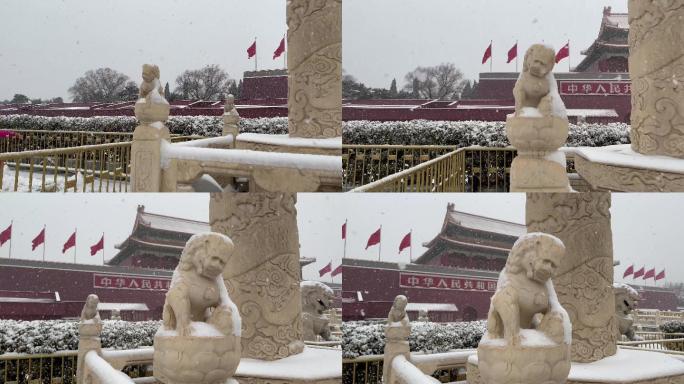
368 338
48 336
467 133
672 327
415 132
182 125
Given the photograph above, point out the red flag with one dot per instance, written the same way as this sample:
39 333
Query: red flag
337 271
374 239
71 242
563 52
628 271
40 239
325 269
5 235
512 53
97 247
251 51
405 242
487 54
650 273
279 51
660 275
638 273
344 230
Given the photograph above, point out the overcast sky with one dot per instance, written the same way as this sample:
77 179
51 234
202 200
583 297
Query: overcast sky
646 227
385 39
46 45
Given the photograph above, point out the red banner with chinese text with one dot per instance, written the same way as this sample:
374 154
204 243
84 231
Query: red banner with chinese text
596 88
415 280
151 283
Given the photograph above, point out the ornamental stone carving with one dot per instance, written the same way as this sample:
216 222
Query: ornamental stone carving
314 62
625 301
397 333
151 110
263 274
316 299
199 341
538 127
528 332
584 280
656 66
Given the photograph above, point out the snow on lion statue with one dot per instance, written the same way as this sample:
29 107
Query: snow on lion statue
316 299
527 328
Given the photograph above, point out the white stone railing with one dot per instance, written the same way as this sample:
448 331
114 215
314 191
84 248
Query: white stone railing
656 318
97 370
406 373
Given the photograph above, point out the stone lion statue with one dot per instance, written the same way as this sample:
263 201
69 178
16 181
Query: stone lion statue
150 75
316 299
397 313
625 301
525 297
89 311
536 88
197 292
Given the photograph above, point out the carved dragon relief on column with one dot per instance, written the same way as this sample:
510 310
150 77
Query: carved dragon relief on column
265 275
584 279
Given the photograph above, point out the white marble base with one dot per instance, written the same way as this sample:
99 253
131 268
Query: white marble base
619 168
285 143
314 365
625 367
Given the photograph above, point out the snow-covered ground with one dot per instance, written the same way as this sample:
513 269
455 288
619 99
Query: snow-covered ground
50 186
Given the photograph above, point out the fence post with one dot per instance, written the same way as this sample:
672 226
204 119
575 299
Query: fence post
151 110
89 330
231 119
397 333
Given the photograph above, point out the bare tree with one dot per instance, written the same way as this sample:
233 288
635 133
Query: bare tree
102 84
443 81
208 83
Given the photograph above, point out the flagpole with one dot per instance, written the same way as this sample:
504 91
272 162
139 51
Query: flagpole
44 241
11 229
103 248
491 55
569 55
331 276
516 56
75 247
380 243
285 55
411 246
344 253
256 55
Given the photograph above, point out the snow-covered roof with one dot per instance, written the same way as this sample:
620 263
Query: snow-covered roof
441 307
618 20
488 224
122 306
174 224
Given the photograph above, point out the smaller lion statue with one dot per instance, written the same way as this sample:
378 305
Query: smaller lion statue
316 299
89 312
625 301
198 292
536 87
525 297
397 313
150 75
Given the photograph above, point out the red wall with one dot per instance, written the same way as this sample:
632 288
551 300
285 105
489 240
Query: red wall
379 287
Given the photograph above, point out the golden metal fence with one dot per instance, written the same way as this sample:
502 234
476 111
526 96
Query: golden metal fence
89 168
39 369
668 344
471 169
33 139
364 164
368 370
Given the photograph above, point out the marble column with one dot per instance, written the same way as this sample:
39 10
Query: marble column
263 275
584 280
314 62
656 66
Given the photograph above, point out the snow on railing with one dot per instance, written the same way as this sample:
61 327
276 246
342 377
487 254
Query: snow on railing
98 371
211 142
406 373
